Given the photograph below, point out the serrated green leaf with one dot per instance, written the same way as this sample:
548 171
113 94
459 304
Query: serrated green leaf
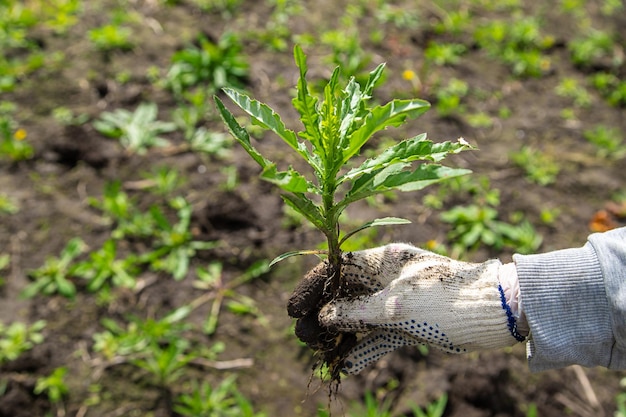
267 118
291 180
393 114
306 104
240 134
305 206
394 177
414 149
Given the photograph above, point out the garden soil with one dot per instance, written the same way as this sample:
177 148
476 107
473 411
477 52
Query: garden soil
72 164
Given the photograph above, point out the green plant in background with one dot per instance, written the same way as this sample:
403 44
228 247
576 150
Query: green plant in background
570 88
519 44
111 37
53 385
7 205
449 97
444 53
53 276
620 400
17 338
608 141
137 131
174 245
215 65
224 399
5 261
13 143
476 224
611 87
335 130
103 268
540 167
434 409
212 280
593 48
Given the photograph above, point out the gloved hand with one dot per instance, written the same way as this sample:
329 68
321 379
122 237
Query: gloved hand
416 297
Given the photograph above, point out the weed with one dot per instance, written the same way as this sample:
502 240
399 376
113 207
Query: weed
212 279
594 48
215 65
5 261
138 131
13 143
608 141
449 97
518 44
611 87
111 37
53 385
221 400
444 53
103 268
8 205
53 276
540 167
434 409
17 338
570 88
174 245
162 181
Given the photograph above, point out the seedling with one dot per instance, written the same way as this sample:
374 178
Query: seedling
137 131
335 130
110 37
53 385
13 143
216 65
53 276
7 205
104 268
540 167
212 280
221 400
17 338
608 141
434 409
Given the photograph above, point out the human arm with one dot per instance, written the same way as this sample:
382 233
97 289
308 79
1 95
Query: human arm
574 302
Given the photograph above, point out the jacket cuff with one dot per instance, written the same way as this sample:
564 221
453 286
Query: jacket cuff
564 299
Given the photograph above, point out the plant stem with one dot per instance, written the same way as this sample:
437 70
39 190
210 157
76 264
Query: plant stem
332 235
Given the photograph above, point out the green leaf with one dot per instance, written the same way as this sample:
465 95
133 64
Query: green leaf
290 181
393 114
289 254
395 177
267 118
305 206
240 134
385 221
414 149
305 103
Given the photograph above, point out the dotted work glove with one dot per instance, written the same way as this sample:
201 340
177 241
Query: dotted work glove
419 297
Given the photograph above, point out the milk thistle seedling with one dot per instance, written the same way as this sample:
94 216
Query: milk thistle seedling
335 130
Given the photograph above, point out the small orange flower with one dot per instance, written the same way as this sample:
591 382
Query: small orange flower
20 134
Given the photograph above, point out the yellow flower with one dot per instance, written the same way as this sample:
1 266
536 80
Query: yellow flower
408 75
20 134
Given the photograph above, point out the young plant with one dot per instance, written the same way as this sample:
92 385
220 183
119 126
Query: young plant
335 130
136 131
52 277
17 338
212 280
218 65
220 400
53 385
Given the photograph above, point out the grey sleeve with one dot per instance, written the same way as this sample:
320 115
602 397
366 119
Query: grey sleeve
575 303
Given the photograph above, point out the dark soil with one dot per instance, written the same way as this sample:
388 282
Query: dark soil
73 163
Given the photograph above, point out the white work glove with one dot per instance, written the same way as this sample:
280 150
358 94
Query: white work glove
416 297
